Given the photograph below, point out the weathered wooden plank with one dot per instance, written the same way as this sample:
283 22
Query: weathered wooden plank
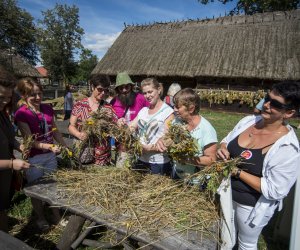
97 244
71 232
8 242
82 236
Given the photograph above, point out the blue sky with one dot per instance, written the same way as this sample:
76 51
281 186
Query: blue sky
103 20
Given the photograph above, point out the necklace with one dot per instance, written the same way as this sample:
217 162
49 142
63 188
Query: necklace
251 134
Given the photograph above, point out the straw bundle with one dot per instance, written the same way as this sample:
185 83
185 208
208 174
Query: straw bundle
28 143
101 126
180 144
212 176
143 203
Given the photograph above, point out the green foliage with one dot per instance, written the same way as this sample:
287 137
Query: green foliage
250 7
86 64
17 30
60 37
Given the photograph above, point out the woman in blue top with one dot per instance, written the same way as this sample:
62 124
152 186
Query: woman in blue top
187 108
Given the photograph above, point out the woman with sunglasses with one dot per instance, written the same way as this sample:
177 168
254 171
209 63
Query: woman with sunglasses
270 153
83 110
7 144
37 119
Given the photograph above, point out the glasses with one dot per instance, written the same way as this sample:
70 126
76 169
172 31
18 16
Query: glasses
100 90
276 104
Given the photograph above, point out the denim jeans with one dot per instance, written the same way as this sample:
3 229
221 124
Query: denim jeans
154 168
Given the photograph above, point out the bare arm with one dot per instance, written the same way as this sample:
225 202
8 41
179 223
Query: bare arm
208 157
252 180
15 164
25 131
249 179
73 129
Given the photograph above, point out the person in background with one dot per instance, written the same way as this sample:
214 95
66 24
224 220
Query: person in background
270 151
83 109
37 119
7 144
127 105
151 124
111 95
68 102
187 108
173 89
259 107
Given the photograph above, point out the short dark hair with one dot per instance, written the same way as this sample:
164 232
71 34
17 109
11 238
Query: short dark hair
290 91
100 80
188 97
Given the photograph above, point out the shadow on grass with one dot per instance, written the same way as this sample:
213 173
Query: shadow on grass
31 235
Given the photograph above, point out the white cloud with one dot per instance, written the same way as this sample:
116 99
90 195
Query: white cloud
99 42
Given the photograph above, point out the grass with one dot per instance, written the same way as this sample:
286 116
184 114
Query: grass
22 225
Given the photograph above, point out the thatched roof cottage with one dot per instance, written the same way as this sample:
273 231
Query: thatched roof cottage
18 64
235 51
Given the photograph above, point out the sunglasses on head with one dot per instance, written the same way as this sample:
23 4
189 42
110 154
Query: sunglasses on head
100 90
276 104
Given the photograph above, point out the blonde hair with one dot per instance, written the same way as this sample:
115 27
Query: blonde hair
150 81
25 87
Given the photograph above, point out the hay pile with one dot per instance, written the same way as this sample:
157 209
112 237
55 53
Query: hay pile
139 203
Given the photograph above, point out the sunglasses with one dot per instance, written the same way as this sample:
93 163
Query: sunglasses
276 104
100 90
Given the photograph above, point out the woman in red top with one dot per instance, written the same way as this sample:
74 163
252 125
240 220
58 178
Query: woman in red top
83 110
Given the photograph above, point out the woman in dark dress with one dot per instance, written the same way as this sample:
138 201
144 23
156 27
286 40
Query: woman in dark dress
7 144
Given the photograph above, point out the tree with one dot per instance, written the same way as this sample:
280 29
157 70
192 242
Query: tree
17 30
250 7
86 64
59 40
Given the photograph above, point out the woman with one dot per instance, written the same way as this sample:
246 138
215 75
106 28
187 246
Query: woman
271 155
173 89
7 144
83 109
68 102
37 120
187 107
151 123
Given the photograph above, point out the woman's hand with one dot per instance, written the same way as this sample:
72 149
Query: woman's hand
160 146
223 153
82 136
55 148
121 122
20 164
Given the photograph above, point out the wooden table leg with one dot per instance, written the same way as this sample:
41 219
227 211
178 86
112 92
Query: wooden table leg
71 232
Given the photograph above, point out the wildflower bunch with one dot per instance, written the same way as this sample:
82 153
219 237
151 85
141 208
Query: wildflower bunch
179 142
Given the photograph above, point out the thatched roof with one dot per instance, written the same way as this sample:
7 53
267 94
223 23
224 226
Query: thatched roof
264 46
18 64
